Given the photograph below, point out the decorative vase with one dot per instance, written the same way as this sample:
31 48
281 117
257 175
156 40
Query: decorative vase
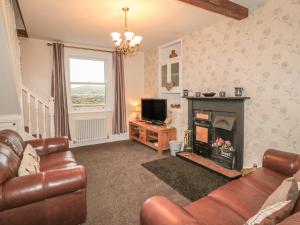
239 91
185 93
222 94
173 54
198 94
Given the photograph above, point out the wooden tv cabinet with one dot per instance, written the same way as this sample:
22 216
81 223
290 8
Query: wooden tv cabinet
156 137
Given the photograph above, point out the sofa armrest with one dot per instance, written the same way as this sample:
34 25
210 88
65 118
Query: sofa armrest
159 210
24 190
50 145
282 162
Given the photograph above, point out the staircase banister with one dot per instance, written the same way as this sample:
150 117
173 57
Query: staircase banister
31 93
46 105
51 114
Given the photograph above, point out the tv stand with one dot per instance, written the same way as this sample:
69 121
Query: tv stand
154 136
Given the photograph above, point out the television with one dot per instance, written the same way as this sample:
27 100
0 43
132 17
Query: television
154 110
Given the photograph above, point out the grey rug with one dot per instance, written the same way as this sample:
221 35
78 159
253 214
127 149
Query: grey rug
191 180
118 184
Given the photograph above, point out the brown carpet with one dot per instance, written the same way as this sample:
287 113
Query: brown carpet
118 184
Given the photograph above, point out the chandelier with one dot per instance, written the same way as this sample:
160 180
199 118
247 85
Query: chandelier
130 43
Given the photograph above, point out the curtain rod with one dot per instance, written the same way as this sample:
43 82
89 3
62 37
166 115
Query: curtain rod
92 49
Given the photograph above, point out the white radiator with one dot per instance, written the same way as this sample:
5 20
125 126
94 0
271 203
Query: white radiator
90 130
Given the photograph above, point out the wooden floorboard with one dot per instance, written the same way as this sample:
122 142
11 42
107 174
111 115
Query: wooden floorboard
209 164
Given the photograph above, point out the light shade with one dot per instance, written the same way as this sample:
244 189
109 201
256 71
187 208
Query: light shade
115 36
137 40
129 35
118 42
132 43
138 108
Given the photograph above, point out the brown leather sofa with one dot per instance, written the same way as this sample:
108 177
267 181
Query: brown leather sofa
55 196
232 204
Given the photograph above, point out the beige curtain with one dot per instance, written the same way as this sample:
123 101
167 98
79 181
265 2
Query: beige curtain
119 114
59 93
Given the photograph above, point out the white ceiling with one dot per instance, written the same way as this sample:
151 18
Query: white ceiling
90 22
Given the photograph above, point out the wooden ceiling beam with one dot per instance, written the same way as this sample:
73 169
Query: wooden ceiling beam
224 7
21 32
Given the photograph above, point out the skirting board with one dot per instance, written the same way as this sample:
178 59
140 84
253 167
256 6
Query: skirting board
112 138
13 122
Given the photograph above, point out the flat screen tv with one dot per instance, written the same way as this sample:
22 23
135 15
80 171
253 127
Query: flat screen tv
154 110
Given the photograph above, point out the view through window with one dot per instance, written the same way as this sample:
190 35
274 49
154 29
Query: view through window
87 82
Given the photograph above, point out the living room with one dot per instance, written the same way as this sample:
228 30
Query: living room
191 119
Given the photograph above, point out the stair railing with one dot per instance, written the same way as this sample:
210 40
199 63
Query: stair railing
38 114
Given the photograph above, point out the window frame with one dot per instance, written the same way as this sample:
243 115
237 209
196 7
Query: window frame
96 56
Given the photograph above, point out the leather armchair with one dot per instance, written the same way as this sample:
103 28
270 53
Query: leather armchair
55 196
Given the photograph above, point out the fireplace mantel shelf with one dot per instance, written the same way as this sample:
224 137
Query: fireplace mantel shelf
218 98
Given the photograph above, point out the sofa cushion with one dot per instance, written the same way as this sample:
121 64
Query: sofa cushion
272 214
29 150
288 190
206 211
291 220
57 161
264 179
297 178
244 199
297 206
9 163
29 164
13 140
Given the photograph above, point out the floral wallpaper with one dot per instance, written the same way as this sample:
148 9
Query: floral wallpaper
151 80
261 54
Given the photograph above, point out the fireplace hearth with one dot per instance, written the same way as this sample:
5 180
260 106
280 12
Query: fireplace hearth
218 129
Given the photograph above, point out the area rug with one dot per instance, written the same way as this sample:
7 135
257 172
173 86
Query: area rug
190 180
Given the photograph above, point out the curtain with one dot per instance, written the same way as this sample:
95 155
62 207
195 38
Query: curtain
59 93
119 114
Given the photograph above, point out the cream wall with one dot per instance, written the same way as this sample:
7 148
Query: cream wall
36 63
261 54
134 80
36 66
10 77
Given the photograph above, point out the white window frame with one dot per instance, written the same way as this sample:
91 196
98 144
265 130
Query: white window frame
108 78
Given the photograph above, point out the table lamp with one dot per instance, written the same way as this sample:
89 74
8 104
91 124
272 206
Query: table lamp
137 109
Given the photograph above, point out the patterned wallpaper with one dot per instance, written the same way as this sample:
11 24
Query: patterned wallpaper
150 71
261 54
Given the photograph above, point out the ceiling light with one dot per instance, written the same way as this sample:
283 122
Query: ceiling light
129 44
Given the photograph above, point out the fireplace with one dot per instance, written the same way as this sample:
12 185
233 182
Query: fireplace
210 127
218 129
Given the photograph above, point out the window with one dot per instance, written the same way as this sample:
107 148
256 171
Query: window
87 82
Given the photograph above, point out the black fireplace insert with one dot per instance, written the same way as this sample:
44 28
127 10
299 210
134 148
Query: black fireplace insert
213 134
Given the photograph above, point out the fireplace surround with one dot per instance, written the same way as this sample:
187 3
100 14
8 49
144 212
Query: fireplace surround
213 118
